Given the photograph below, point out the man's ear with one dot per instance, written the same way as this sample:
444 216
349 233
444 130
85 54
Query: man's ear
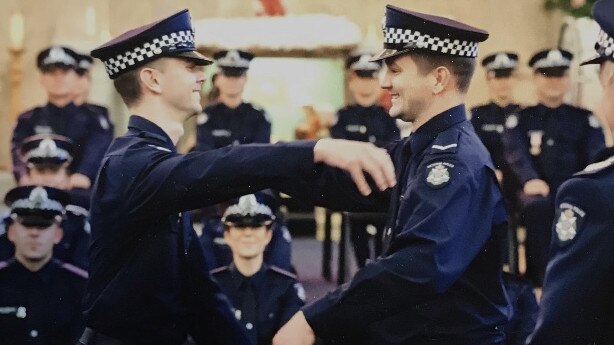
151 79
442 77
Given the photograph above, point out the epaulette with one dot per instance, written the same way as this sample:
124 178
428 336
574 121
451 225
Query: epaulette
445 142
283 272
4 264
219 270
596 167
77 210
74 269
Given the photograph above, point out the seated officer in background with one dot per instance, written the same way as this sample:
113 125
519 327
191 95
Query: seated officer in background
231 121
520 292
81 92
277 252
40 296
576 305
61 116
438 280
364 120
545 145
264 296
149 283
489 119
47 158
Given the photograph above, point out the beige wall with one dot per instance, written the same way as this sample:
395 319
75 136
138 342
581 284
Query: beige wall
520 25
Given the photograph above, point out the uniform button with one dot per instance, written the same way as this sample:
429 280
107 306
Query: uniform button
550 142
249 326
34 333
388 232
271 315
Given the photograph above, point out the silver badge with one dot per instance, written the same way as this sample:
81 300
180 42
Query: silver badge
593 121
569 222
535 138
438 175
511 121
202 118
300 291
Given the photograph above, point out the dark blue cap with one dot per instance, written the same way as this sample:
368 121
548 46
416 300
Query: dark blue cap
47 150
362 65
248 211
56 56
603 12
36 205
233 62
551 62
406 31
169 37
501 64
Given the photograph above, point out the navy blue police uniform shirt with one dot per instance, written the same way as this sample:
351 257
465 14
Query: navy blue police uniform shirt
105 126
218 253
277 295
148 277
369 124
576 305
439 277
42 307
489 123
551 144
524 306
74 246
220 126
69 121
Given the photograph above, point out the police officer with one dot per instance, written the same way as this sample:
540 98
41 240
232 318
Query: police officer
489 119
231 121
364 120
148 278
520 292
545 145
57 65
47 158
576 305
264 296
40 296
277 252
438 280
81 91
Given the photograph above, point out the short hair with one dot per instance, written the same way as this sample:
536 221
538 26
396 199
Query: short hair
461 67
128 84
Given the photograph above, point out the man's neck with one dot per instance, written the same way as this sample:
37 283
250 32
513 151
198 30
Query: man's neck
169 121
501 101
438 106
32 266
79 100
551 102
248 266
60 101
231 101
365 101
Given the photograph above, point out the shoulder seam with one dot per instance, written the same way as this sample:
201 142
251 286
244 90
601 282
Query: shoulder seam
74 269
283 272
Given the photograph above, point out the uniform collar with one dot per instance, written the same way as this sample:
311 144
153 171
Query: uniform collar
428 132
68 107
256 280
44 274
146 128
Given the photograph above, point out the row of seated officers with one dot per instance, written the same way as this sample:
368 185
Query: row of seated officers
535 149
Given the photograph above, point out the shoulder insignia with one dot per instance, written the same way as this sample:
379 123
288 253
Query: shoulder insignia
438 174
3 264
286 234
74 269
77 210
593 121
444 148
104 123
219 270
569 220
511 121
160 148
266 116
87 228
300 291
202 118
282 272
220 241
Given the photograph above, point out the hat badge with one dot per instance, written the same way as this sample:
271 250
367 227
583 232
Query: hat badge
38 196
48 147
555 57
57 54
502 61
566 225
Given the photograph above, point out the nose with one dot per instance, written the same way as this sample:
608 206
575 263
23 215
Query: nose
384 79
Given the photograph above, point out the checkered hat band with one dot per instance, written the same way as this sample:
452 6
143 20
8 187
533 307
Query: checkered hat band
404 38
146 51
605 44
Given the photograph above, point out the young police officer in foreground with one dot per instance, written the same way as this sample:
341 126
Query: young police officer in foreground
438 280
149 282
576 306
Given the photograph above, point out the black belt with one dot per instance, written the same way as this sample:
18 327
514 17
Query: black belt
92 337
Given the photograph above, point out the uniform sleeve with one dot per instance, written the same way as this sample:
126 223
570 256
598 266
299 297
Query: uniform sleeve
186 182
579 273
425 258
213 321
204 137
337 131
293 300
80 255
22 130
97 143
263 132
516 153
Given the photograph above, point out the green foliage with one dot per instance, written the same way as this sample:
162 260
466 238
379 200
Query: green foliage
565 6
